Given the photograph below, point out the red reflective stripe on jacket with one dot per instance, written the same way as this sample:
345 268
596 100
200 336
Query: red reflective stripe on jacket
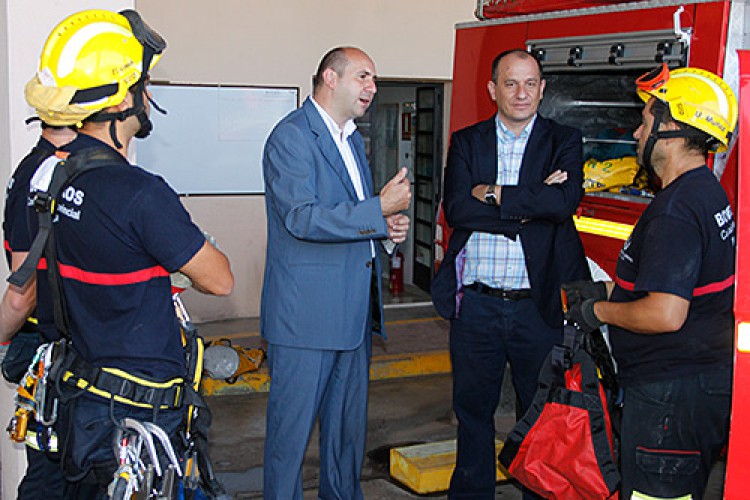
715 287
109 279
624 284
718 286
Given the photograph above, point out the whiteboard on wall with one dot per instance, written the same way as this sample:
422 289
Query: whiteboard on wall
211 140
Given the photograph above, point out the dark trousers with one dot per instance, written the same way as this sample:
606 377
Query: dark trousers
43 478
490 333
88 433
672 433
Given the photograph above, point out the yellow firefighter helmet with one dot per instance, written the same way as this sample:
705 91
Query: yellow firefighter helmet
695 97
89 62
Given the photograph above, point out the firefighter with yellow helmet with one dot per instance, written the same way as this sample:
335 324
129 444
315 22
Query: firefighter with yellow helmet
669 309
112 235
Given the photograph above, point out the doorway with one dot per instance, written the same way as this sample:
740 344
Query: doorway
404 127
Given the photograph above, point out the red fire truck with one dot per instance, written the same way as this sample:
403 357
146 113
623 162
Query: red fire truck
591 52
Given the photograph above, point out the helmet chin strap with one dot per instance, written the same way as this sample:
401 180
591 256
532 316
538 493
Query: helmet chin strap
653 136
138 109
658 110
146 125
648 149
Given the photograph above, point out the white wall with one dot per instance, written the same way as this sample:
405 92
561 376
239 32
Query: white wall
260 42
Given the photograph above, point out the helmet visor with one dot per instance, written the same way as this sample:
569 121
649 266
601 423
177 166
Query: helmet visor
654 79
143 33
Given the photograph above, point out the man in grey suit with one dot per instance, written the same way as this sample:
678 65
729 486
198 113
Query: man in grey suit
321 298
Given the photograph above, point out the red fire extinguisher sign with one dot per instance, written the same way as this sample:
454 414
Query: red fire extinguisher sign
397 273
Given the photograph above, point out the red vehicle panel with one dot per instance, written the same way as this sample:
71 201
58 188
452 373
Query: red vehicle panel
709 38
599 24
478 43
738 460
475 50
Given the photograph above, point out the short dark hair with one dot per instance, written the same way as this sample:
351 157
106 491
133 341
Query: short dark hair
519 52
336 59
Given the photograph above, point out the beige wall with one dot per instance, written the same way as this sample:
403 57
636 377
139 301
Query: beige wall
257 42
263 42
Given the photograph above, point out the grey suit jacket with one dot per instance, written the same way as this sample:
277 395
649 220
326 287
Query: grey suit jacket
317 284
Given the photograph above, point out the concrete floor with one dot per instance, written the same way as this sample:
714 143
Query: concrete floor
402 411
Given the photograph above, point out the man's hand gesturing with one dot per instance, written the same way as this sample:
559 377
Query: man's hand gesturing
396 194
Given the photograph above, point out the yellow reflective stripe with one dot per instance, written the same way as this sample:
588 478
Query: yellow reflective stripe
637 495
86 386
32 443
142 381
33 320
82 385
199 366
602 227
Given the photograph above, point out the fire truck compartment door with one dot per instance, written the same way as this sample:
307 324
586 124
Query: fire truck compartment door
616 51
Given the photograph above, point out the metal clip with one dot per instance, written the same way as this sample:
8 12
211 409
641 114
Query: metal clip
682 35
575 55
166 444
145 435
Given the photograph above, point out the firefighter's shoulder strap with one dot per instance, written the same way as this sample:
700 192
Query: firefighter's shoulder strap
37 156
45 202
39 153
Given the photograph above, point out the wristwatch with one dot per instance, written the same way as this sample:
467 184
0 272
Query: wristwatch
490 197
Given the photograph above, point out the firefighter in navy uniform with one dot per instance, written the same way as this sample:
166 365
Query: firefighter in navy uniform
17 304
670 308
43 478
118 233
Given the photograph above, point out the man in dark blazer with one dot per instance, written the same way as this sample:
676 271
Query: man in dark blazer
512 184
321 296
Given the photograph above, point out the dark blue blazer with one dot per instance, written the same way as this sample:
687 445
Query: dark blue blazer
539 214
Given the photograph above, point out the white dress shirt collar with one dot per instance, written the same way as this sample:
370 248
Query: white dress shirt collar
333 127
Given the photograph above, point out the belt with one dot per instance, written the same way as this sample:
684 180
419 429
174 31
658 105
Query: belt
518 294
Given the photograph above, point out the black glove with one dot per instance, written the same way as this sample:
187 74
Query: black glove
582 314
578 291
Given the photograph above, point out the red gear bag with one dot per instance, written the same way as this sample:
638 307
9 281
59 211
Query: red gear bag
563 447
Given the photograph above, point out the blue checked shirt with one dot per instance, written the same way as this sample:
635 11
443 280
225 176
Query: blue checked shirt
493 259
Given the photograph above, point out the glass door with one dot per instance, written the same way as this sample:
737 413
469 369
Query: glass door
427 160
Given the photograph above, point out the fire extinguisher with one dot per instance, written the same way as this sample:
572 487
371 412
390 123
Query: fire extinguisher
397 273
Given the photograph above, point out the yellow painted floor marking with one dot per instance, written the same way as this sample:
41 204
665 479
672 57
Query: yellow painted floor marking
242 335
381 368
232 336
